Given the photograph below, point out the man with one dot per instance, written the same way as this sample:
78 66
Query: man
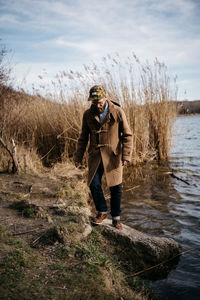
105 126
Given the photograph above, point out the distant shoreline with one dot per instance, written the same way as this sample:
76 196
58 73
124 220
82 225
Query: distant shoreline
187 108
188 115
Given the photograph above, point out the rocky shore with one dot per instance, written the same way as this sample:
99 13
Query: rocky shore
50 250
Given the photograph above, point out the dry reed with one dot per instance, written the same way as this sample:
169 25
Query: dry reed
51 124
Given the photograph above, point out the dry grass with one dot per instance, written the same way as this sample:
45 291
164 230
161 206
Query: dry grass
42 255
51 125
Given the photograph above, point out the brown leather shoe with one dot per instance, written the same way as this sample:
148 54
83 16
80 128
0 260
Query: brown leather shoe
99 218
117 224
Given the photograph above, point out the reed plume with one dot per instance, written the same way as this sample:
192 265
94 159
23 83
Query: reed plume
50 121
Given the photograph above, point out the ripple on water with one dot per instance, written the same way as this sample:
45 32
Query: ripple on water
166 206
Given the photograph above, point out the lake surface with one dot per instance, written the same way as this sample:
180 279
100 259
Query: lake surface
170 207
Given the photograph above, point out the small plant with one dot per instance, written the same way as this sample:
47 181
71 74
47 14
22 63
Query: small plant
61 252
72 214
51 236
72 227
91 255
27 210
80 204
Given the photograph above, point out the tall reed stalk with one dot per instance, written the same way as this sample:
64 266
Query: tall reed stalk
52 124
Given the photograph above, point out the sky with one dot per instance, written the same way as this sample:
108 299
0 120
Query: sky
65 34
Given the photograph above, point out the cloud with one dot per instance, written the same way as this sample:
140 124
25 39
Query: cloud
8 19
80 31
179 6
83 46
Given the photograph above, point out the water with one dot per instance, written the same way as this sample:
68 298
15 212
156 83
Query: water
170 207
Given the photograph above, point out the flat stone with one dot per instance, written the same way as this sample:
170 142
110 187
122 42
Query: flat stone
145 249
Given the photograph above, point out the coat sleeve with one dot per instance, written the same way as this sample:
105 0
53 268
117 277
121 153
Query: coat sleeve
82 141
126 137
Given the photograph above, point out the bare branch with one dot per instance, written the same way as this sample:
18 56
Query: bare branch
12 153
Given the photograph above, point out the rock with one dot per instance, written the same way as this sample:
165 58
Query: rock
49 219
79 210
60 203
144 250
84 214
87 228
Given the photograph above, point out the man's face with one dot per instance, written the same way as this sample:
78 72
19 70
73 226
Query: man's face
100 105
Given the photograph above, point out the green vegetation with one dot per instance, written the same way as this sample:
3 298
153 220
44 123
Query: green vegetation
52 260
26 209
83 270
16 258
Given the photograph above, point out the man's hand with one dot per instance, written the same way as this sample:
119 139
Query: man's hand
124 163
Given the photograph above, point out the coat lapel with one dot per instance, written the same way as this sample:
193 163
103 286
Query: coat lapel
93 115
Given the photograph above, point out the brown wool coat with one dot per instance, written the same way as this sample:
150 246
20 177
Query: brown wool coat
110 141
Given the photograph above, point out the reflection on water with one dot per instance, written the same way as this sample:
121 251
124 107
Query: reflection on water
147 206
165 206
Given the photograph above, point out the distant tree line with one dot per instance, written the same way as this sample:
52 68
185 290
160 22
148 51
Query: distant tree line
188 107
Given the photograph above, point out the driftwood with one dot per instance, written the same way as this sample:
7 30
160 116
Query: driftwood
174 176
171 173
12 153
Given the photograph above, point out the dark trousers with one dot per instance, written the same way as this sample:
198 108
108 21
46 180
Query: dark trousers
98 196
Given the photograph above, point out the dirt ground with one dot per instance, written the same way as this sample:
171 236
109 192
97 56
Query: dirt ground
36 191
42 218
